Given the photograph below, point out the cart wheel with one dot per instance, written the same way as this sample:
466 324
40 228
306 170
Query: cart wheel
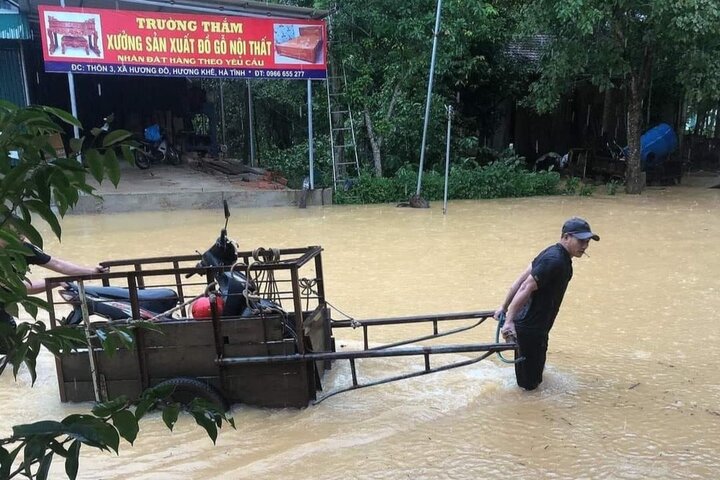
185 389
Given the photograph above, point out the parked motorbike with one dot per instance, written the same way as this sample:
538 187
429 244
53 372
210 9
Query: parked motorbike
239 296
155 148
617 153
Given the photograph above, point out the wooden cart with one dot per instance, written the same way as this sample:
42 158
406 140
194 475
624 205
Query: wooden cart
245 359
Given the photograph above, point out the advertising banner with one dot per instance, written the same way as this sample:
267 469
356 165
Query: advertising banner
121 42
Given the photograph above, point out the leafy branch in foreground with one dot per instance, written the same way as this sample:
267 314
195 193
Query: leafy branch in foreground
41 442
36 182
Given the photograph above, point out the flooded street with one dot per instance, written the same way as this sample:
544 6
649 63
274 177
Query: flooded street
631 390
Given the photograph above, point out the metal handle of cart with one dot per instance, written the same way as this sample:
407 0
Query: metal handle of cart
391 350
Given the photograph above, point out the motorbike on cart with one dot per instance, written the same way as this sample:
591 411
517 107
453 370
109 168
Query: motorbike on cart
238 295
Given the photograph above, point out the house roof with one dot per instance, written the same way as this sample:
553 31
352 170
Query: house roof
245 8
529 48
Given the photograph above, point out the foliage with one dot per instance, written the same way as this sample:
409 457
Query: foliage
384 50
572 186
626 44
293 163
42 442
586 189
31 180
611 187
40 178
502 178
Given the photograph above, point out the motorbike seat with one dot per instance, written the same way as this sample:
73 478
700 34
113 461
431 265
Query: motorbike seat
119 293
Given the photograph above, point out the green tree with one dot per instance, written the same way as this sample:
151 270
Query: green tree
385 47
32 180
626 43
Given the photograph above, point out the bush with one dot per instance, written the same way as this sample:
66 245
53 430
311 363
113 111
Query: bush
292 163
586 190
502 178
612 186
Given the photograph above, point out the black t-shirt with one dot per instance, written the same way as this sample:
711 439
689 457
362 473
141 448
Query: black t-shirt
552 270
38 257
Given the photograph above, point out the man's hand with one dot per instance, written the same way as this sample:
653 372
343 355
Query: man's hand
508 332
508 327
101 269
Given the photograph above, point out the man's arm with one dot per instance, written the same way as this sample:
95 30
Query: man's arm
513 291
64 267
69 268
520 299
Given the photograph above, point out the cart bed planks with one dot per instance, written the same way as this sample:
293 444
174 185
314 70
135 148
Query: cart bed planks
187 349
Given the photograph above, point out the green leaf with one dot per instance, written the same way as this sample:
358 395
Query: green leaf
125 337
151 326
35 449
109 344
42 184
44 468
115 136
127 154
112 167
92 431
72 463
95 162
70 164
207 423
106 409
14 178
31 363
57 447
170 415
28 230
144 406
126 424
64 116
46 427
31 308
5 462
44 210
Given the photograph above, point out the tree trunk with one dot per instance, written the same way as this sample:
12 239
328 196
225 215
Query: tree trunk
717 121
608 110
375 143
700 123
634 183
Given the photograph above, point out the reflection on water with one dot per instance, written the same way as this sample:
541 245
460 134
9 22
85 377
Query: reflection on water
631 389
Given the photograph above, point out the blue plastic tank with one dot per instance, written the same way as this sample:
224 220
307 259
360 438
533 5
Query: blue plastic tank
656 144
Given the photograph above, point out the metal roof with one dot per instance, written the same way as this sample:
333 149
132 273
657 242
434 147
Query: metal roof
245 8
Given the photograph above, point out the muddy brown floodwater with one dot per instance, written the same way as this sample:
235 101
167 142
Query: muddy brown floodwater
631 391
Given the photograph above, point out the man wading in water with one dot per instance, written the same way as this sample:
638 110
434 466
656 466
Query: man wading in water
533 301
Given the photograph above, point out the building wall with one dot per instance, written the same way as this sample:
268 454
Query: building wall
12 83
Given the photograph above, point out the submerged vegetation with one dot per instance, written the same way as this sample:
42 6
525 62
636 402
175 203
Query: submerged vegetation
501 178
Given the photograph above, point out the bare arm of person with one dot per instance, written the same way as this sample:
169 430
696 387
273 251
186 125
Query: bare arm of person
513 290
64 267
518 302
69 268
